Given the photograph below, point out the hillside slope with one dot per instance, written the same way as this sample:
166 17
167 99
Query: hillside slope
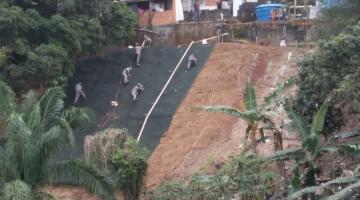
197 141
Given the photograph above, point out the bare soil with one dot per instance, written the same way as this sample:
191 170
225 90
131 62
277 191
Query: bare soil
197 141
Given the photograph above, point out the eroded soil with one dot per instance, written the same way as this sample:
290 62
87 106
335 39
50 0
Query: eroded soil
196 141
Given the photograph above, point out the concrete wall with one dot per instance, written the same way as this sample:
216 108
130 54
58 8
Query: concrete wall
184 33
272 31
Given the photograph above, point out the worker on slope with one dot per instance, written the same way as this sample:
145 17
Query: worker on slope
136 91
126 74
192 61
138 49
147 40
79 92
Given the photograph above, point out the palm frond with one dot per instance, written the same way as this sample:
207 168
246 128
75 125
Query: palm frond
341 180
357 169
53 139
298 122
20 148
51 105
246 115
344 193
328 149
27 104
302 192
250 97
351 148
346 134
7 99
33 119
319 119
82 174
76 116
42 195
281 87
17 190
285 154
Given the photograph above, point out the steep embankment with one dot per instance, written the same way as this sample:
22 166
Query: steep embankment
199 141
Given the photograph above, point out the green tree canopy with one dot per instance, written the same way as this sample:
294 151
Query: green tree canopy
43 38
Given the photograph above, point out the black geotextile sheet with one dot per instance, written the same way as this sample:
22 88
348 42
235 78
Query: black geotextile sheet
101 80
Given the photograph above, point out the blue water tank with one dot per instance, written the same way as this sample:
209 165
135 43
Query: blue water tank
263 12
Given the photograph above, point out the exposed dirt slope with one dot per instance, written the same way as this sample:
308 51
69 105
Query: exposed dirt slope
197 141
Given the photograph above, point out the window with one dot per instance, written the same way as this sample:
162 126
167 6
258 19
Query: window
161 5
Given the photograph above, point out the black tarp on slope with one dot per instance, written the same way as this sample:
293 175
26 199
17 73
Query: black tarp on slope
101 77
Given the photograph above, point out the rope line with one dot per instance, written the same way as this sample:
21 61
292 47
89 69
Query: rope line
161 92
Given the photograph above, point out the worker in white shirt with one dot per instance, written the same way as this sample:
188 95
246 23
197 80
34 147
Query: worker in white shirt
147 40
79 92
138 49
136 91
126 74
192 61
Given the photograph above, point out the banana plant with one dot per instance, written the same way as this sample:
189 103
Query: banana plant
349 182
305 167
257 117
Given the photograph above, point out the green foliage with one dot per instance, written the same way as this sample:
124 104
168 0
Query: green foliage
351 149
40 41
35 131
16 190
130 164
250 97
331 72
304 182
241 177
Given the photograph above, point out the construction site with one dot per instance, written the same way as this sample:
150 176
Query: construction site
196 96
181 137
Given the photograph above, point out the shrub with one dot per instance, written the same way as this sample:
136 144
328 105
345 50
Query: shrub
242 177
327 74
119 157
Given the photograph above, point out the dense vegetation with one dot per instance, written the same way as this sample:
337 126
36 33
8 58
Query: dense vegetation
331 72
40 39
119 157
36 130
242 176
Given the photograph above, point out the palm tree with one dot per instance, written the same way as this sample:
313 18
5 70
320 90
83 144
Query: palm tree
35 131
257 117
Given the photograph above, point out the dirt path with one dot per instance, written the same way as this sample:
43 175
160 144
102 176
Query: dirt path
197 141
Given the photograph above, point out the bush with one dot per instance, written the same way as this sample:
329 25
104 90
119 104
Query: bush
130 164
330 73
119 157
242 177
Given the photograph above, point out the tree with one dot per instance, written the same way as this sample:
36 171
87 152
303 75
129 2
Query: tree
35 131
67 29
118 23
257 117
330 73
